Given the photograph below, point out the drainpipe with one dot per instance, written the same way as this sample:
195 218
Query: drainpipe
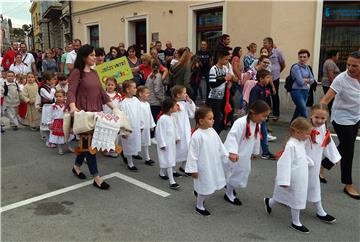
70 16
48 25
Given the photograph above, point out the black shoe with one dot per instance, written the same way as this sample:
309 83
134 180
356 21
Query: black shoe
164 177
357 197
138 157
268 157
174 186
176 174
236 201
103 185
124 158
267 206
301 228
133 168
234 192
80 175
15 128
183 171
149 162
202 212
327 218
322 180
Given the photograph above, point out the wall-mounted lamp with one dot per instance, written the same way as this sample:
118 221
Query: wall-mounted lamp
122 20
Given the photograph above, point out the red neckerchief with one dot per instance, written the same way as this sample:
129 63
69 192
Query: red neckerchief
193 131
159 115
326 139
313 134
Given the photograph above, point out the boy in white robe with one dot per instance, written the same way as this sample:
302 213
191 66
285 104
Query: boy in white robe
166 137
131 106
143 94
205 158
242 141
186 110
292 174
319 143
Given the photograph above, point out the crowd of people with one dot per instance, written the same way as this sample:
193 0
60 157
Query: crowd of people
165 93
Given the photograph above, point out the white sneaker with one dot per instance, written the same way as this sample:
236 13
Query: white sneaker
271 138
153 141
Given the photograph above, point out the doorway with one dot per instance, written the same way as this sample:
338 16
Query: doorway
140 36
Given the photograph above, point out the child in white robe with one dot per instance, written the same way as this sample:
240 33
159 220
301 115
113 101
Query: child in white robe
320 143
131 106
186 110
166 137
143 94
242 141
57 121
47 98
116 98
205 158
291 183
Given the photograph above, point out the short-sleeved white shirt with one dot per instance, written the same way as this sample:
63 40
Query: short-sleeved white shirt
346 106
71 57
28 59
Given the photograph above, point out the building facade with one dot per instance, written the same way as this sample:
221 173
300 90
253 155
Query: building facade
292 24
35 22
4 35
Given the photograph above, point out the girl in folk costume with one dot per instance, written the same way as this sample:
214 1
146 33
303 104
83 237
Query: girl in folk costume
143 94
186 110
57 120
205 158
291 185
242 141
63 83
47 98
320 143
30 92
166 137
22 108
131 106
115 97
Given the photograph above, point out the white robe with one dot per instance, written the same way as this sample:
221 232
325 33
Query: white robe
132 108
57 112
237 173
293 171
187 110
115 100
46 108
315 151
206 155
148 124
166 136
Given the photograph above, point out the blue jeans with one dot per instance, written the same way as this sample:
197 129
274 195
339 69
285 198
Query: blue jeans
264 141
90 159
299 97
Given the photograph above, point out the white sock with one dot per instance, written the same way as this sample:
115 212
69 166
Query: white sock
183 164
130 161
60 148
145 151
295 216
272 202
162 172
200 201
230 192
170 175
319 209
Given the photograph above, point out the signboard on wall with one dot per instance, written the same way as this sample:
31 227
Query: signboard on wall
118 68
155 37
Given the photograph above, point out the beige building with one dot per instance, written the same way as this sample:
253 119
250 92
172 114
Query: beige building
292 24
35 18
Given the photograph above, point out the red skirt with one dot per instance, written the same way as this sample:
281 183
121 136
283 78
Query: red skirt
22 109
57 127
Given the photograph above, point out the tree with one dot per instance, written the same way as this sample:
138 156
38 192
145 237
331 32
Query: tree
10 24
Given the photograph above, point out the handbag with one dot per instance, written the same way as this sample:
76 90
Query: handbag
83 122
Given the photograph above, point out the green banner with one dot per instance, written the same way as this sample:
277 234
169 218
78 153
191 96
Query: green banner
118 68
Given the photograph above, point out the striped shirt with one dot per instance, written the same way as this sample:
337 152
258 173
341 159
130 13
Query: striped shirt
215 74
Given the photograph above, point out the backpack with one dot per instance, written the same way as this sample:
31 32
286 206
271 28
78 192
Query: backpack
6 89
289 81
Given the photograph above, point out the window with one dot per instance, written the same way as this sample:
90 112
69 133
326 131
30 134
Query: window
340 30
209 26
94 35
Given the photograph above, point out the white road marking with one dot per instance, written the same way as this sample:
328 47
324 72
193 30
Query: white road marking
357 137
83 184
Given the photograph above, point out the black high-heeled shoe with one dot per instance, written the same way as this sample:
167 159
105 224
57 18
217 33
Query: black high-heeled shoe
80 175
322 180
103 185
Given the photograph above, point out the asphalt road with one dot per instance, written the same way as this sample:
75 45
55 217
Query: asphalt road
129 213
